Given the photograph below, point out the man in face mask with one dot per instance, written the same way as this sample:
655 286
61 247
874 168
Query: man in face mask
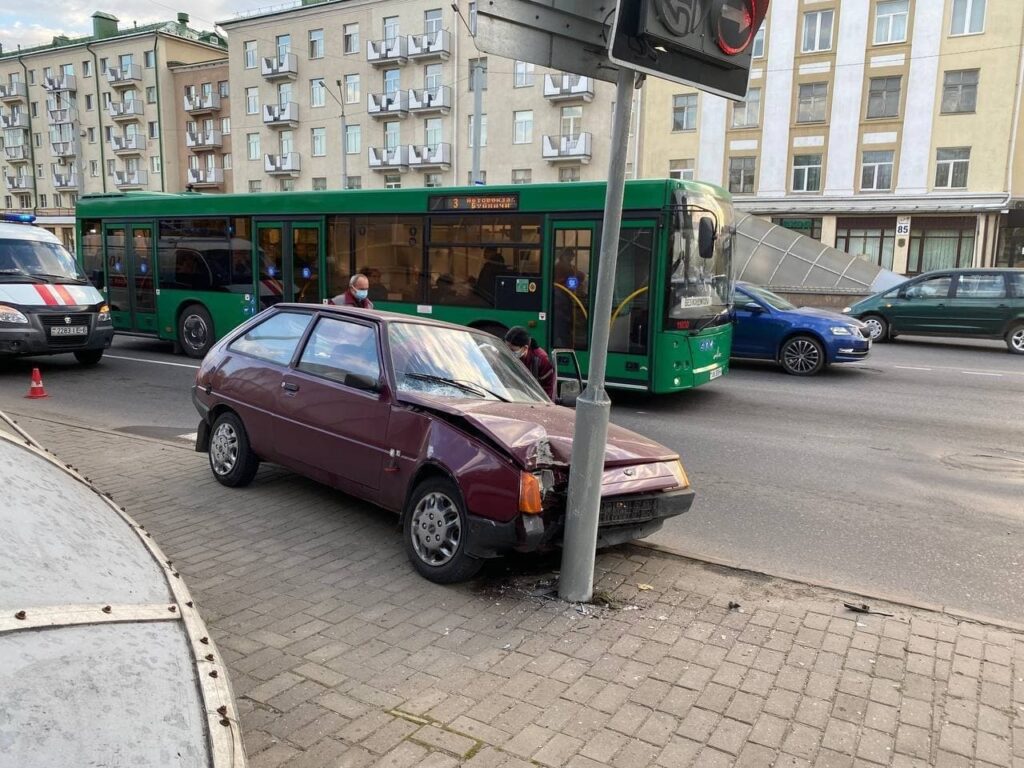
533 357
357 294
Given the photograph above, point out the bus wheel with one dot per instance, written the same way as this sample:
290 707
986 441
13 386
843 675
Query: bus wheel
495 329
195 330
89 356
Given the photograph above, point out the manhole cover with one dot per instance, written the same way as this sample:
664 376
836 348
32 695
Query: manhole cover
986 462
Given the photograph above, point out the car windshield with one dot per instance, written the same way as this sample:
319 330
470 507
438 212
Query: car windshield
450 362
37 259
773 300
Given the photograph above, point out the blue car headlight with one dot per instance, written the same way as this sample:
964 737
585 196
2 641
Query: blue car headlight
841 330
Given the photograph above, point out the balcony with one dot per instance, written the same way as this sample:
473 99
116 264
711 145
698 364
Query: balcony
204 141
387 159
18 182
202 103
128 145
425 156
430 45
123 111
423 101
17 153
382 52
130 179
287 164
12 92
60 83
124 77
394 104
568 87
205 177
280 67
66 181
568 147
281 115
63 149
14 120
62 115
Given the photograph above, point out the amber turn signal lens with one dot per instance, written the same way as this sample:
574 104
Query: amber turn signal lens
680 474
529 494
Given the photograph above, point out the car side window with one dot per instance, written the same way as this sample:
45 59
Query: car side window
932 288
339 348
981 287
275 339
1016 284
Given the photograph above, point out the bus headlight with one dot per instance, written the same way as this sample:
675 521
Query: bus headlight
104 314
11 315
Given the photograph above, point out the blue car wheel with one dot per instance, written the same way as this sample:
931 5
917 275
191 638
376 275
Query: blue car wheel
802 356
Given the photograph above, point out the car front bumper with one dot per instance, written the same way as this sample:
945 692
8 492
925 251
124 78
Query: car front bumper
38 337
844 349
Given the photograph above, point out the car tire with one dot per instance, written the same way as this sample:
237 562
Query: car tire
435 529
1015 339
878 327
231 459
195 331
802 356
89 356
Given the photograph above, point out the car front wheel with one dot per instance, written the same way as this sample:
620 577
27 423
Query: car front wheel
89 356
878 328
802 356
435 530
1015 339
231 459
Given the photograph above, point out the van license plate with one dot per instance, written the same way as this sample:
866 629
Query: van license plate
715 374
69 330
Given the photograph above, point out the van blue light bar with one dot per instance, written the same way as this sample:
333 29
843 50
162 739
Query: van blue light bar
18 218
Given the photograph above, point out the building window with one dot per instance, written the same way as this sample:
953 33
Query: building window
817 31
884 97
392 181
37 138
223 89
432 21
569 173
353 140
151 94
88 102
87 68
351 38
283 45
876 170
154 164
149 59
483 130
319 183
472 18
253 143
432 180
891 21
523 74
522 127
392 134
354 182
33 109
757 48
478 70
806 173
91 133
684 112
432 132
249 49
287 185
522 176
951 167
392 81
873 240
225 126
941 243
227 161
39 171
42 201
482 176
741 175
351 89
316 43
968 17
94 168
252 101
960 91
255 185
390 29
319 142
810 226
572 122
154 130
812 102
747 114
681 169
317 92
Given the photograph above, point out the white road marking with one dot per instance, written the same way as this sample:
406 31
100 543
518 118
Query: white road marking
154 362
911 368
982 373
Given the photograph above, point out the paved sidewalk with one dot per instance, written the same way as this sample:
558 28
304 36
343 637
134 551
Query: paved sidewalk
341 656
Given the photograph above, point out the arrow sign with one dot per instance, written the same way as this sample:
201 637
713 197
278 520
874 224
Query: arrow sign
734 25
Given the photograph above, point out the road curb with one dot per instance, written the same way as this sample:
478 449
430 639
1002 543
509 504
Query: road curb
102 430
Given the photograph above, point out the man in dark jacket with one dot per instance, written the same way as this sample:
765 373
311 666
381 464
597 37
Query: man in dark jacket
533 357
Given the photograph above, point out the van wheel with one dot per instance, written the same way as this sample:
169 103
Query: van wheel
89 356
1015 339
878 328
802 356
435 530
231 459
195 331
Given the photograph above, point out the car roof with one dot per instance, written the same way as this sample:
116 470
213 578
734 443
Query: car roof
376 315
12 231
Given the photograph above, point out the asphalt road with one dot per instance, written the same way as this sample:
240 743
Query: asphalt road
901 475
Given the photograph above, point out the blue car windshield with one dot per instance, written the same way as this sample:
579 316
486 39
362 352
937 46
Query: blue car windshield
773 300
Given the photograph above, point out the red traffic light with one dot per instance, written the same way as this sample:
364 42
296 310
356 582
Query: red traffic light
735 23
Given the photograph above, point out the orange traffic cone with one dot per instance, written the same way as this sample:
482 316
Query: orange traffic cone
36 389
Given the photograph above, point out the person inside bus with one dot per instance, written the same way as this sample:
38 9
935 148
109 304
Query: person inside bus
535 359
358 293
487 281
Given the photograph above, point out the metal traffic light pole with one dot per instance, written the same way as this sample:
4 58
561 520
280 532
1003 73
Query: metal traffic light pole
579 548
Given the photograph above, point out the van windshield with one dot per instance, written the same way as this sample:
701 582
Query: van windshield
37 261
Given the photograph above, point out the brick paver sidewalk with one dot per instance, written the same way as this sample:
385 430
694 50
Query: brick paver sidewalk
341 656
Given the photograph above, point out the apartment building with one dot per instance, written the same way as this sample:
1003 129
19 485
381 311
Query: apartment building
94 114
380 92
204 117
887 128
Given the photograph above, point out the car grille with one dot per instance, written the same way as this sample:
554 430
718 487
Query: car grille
49 321
622 511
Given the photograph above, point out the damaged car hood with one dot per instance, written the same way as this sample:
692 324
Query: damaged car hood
538 434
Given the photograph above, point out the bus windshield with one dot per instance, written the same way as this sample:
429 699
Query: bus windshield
699 287
38 260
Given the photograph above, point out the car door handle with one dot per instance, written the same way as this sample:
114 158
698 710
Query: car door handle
289 387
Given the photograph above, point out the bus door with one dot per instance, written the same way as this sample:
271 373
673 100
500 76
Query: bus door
291 261
131 293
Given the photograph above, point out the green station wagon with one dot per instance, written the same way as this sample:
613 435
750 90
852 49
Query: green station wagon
967 303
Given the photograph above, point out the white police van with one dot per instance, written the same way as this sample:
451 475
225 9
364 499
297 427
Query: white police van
47 306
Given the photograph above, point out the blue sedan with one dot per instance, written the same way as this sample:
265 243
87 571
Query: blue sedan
803 340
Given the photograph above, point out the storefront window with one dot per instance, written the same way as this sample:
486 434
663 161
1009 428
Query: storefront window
941 244
871 239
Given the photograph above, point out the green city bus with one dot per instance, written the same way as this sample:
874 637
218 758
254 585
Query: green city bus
189 267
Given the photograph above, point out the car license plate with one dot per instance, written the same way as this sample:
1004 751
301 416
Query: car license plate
69 330
715 374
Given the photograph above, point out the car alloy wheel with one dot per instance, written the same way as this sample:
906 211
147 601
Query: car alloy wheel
802 356
223 449
875 327
1015 339
436 529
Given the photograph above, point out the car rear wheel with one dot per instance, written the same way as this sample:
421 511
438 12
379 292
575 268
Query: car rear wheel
195 331
435 530
802 356
1015 339
878 327
231 459
89 356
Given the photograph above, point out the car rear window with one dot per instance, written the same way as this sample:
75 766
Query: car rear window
981 287
275 339
1016 284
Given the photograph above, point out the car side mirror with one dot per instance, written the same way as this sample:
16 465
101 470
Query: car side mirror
753 307
363 382
706 236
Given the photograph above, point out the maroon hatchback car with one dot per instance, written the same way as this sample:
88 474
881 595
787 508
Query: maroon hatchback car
439 423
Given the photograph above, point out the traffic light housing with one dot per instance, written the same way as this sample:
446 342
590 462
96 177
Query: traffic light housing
704 43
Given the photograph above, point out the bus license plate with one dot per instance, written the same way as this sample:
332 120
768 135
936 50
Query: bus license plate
69 330
715 374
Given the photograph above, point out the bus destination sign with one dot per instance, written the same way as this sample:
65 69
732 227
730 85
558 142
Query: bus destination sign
474 203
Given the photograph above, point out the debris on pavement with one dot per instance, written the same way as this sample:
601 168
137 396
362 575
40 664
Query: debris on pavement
865 608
